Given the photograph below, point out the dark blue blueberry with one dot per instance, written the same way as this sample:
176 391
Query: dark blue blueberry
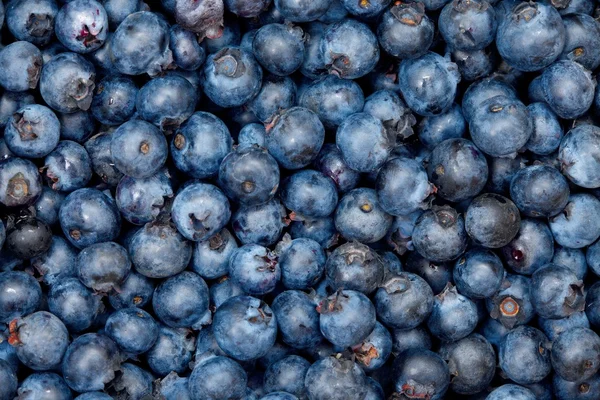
493 331
98 148
141 44
349 49
531 249
439 234
10 103
480 91
364 142
260 224
67 83
58 263
468 25
74 304
574 259
313 66
44 385
393 113
231 77
301 10
32 20
218 378
511 391
574 95
404 339
78 126
27 237
428 83
578 154
82 25
172 351
20 295
547 132
556 292
20 66
245 327
360 216
579 390
298 319
404 301
279 48
492 220
554 327
252 134
132 382
331 163
355 266
302 264
200 211
309 194
512 306
574 227
32 132
20 184
103 266
287 375
530 52
206 346
524 355
255 269
222 290
372 353
436 274
405 31
420 373
211 257
133 329
181 301
276 94
143 200
478 274
576 354
449 125
114 100
68 167
501 172
320 230
188 54
476 64
350 380
172 387
453 316
295 137
582 40
135 291
250 175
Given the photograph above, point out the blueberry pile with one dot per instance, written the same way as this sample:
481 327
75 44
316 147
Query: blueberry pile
299 200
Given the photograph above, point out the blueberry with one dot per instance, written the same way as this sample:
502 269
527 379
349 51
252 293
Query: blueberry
404 301
135 291
150 53
525 355
313 66
511 391
531 249
181 301
32 20
556 292
372 353
287 375
144 200
32 132
309 194
405 31
576 354
492 220
82 25
68 167
74 304
252 134
592 307
222 290
483 90
188 54
28 237
302 264
554 327
103 266
82 376
21 64
217 378
246 8
577 155
210 258
330 162
20 183
98 148
539 191
114 100
279 48
449 125
231 77
297 319
436 274
78 126
478 274
67 83
573 227
133 382
439 234
421 373
391 110
574 259
300 10
512 305
11 102
57 263
255 269
279 396
172 351
584 389
335 379
43 385
321 230
245 327
582 40
21 295
260 224
453 316
9 377
355 266
173 386
468 25
133 329
277 93
204 18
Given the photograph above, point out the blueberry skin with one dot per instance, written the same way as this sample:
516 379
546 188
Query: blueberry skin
67 83
217 378
143 200
133 382
245 327
511 391
56 264
172 386
20 183
574 259
223 290
524 355
423 98
453 316
577 155
346 317
249 175
582 40
287 375
547 132
255 269
172 351
479 92
277 93
422 373
231 77
539 190
135 291
574 96
531 52
188 54
512 305
396 117
74 304
68 167
478 274
458 169
296 138
32 132
206 346
114 100
350 380
405 31
259 224
531 249
279 48
150 54
21 295
44 385
210 258
554 327
181 301
203 18
374 351
439 234
355 266
279 396
297 319
166 101
593 258
11 102
486 214
138 149
98 148
78 126
576 354
578 230
302 264
320 230
449 125
20 66
247 9
301 10
476 64
363 141
82 25
556 292
313 66
404 301
359 216
437 275
252 134
82 376
32 20
331 163
309 194
9 378
132 329
584 390
103 266
200 145
468 26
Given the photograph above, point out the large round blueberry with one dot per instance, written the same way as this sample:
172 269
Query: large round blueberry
20 184
76 305
20 66
439 234
82 25
574 227
279 48
360 216
182 301
405 31
355 266
492 220
578 156
539 191
217 378
421 373
260 224
350 378
297 319
143 200
32 132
